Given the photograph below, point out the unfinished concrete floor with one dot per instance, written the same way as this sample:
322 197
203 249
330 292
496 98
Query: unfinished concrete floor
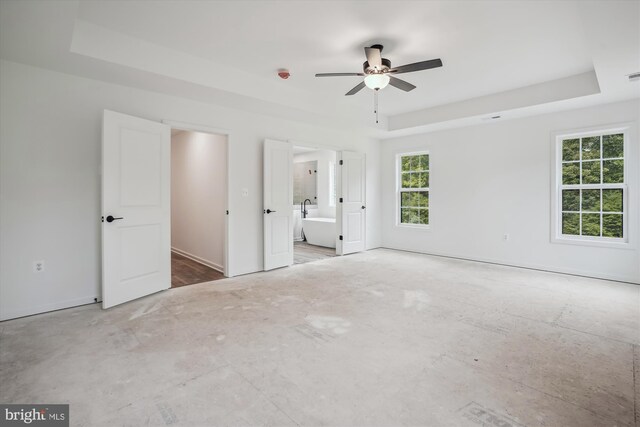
377 338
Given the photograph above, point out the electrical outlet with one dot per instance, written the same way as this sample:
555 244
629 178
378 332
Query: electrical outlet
245 192
38 266
505 237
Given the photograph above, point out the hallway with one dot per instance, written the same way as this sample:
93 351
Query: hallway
185 271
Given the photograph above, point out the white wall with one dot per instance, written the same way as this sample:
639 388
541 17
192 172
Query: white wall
50 183
492 179
199 196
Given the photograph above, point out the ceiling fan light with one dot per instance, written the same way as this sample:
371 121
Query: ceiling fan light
376 81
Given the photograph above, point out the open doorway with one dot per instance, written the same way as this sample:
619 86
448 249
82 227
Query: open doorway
198 206
314 204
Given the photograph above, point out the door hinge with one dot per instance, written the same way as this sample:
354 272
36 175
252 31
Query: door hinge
341 237
341 163
340 199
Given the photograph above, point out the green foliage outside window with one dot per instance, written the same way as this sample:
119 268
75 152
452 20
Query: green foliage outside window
414 189
593 161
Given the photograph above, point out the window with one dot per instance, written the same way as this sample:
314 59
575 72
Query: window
413 189
592 197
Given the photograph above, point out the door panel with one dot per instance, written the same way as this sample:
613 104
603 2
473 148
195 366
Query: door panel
141 163
278 204
136 257
352 210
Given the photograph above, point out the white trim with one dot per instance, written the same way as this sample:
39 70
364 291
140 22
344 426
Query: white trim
60 305
556 236
314 145
193 127
199 260
333 189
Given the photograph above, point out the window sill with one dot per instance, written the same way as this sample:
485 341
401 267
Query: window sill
593 243
414 226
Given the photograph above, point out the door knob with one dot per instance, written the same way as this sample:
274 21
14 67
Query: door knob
111 218
364 207
269 211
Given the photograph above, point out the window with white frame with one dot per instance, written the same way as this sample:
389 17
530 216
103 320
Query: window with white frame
413 189
592 197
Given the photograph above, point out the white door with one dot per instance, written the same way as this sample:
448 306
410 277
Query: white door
278 204
136 227
351 215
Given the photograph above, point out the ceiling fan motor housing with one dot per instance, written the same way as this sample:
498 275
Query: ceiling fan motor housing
386 65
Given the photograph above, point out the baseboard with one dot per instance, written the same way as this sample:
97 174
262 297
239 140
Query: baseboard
529 266
30 311
199 260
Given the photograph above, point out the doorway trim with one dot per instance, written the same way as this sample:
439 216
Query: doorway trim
193 127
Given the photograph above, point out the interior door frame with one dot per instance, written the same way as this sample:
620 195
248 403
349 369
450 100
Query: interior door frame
338 178
216 131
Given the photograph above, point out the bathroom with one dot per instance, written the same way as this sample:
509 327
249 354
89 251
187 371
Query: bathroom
314 204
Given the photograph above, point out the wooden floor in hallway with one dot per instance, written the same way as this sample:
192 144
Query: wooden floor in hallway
185 271
304 252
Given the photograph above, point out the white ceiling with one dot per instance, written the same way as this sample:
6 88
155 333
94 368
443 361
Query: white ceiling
236 47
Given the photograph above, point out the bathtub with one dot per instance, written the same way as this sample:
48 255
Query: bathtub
320 231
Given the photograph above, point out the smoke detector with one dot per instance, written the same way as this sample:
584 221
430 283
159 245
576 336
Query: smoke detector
284 73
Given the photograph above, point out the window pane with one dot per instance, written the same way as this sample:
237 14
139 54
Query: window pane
571 200
612 225
591 148
423 179
405 199
591 224
414 216
425 161
406 163
570 173
424 216
412 180
415 199
410 215
612 146
406 180
571 149
591 172
420 163
423 199
571 223
591 200
612 200
406 216
613 171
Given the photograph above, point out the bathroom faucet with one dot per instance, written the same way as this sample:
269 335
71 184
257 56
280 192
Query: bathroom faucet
304 208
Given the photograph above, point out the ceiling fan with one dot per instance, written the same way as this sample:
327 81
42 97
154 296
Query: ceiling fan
378 73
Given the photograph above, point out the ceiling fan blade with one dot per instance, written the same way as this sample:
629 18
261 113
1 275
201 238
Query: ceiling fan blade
338 74
401 84
373 57
355 89
417 66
